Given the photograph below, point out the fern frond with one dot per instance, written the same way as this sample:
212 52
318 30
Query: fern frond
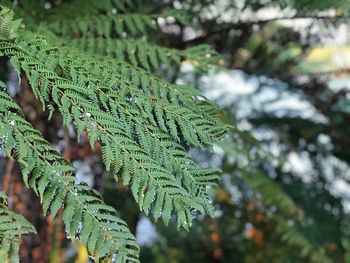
294 237
135 5
256 179
78 8
143 54
8 26
160 145
272 194
174 118
108 25
167 103
85 215
102 25
141 122
78 87
146 172
12 227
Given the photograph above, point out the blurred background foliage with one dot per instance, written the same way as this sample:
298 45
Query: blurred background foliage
284 84
284 193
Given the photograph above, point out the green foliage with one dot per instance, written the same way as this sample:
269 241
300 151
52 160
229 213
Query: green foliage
272 194
12 226
85 215
267 210
312 6
289 217
144 124
8 27
295 237
242 156
109 24
143 54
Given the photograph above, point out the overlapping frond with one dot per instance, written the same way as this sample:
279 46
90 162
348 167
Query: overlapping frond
144 124
168 120
114 130
12 227
85 215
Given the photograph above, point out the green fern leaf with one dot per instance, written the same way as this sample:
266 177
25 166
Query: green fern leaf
12 226
84 212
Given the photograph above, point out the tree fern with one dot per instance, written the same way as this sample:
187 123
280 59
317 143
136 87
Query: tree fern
143 123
